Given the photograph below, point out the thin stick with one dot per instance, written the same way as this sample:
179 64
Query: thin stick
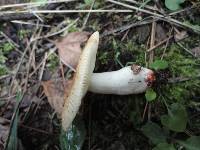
159 44
126 27
33 3
182 10
145 110
152 41
9 40
19 65
167 42
187 50
28 23
63 11
58 32
146 6
88 15
162 17
38 67
43 66
31 57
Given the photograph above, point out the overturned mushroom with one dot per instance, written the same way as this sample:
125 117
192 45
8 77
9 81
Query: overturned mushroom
128 80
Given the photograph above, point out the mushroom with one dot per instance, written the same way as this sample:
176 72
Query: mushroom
128 80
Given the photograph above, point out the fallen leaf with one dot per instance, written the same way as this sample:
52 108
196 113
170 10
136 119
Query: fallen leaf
196 51
69 48
180 35
55 92
160 33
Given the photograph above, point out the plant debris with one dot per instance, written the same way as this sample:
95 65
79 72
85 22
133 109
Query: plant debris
69 48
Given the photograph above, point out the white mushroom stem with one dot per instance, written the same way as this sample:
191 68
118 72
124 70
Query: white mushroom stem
121 82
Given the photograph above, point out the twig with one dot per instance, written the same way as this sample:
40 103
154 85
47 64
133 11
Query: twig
31 57
58 32
25 126
126 27
182 79
19 65
182 10
152 41
33 4
9 17
49 53
43 66
145 110
88 15
139 4
63 11
159 44
9 40
5 76
28 23
159 16
167 42
179 44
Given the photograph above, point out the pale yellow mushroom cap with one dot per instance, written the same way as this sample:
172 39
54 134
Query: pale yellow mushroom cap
81 80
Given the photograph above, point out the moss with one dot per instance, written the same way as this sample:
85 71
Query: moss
23 33
5 49
53 62
181 65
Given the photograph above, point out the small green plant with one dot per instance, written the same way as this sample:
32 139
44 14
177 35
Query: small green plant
150 95
176 119
5 49
159 65
154 132
173 4
23 33
52 62
192 143
164 146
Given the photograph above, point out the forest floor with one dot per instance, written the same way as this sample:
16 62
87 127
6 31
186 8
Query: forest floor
161 35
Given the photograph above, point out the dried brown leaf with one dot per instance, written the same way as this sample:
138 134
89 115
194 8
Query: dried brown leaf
69 48
55 92
196 51
160 33
180 35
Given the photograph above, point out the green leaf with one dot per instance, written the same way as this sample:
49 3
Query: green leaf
176 120
74 137
164 146
12 141
159 65
150 95
192 143
88 2
173 4
154 132
41 2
